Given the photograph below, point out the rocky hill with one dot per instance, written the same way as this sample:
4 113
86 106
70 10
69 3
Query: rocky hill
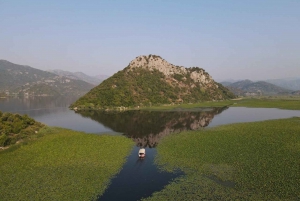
77 76
151 80
248 87
24 80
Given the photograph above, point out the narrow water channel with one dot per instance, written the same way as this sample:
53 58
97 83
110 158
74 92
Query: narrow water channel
139 178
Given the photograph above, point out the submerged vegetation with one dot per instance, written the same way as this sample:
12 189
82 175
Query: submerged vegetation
15 127
62 165
246 161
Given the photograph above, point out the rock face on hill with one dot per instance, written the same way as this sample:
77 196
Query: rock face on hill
153 62
151 80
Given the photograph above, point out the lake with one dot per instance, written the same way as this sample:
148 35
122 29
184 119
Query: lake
138 177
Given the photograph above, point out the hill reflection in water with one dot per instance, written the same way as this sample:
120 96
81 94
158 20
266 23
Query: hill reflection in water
147 128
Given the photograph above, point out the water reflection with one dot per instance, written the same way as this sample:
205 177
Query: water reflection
52 111
146 128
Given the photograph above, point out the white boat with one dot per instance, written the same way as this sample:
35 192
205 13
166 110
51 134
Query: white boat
142 153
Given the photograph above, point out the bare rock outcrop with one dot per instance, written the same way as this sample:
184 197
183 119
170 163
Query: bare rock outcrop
152 62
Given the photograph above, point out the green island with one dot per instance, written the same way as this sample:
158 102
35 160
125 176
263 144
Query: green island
245 161
61 165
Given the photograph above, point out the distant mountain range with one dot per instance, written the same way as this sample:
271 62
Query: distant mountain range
296 92
288 83
80 76
248 87
102 77
24 80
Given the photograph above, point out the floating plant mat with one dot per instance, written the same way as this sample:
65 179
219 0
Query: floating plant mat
259 160
63 165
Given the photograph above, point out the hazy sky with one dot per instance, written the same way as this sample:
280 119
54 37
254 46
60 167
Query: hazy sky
238 39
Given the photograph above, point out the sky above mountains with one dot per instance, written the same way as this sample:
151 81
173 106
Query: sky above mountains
230 39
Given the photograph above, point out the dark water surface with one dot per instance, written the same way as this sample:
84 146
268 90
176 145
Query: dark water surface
138 177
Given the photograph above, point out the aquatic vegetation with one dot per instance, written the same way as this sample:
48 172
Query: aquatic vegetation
265 102
183 107
288 103
62 165
246 161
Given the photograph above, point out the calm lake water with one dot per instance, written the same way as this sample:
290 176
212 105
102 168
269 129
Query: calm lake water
138 178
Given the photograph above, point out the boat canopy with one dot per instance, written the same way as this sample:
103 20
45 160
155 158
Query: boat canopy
142 151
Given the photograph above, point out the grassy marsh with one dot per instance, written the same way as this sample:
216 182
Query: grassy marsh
246 161
63 165
191 106
287 103
290 103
